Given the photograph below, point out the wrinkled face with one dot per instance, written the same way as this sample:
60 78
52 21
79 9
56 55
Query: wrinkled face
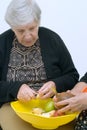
27 34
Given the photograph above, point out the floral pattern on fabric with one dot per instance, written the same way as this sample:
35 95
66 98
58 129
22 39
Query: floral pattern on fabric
81 122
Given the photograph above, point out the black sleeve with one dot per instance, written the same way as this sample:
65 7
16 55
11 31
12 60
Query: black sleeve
84 78
69 75
8 91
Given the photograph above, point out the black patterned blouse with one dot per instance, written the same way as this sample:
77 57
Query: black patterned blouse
26 64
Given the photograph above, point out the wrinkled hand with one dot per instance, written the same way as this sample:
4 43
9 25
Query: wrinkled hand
78 88
46 90
25 93
74 104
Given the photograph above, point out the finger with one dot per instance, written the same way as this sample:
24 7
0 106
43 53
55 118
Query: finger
64 109
42 88
34 92
55 99
76 109
45 91
23 99
62 103
47 95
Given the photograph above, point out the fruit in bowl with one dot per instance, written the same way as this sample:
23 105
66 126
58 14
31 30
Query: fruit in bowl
49 110
24 111
49 106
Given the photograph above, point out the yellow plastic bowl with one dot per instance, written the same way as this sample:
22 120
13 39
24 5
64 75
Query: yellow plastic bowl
24 111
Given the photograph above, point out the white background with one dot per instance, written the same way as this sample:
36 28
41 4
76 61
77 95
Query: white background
66 17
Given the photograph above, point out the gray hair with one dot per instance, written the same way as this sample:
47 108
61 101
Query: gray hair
21 12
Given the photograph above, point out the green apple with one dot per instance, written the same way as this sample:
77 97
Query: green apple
49 106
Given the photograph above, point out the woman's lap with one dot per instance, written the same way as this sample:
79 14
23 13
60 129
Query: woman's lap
10 121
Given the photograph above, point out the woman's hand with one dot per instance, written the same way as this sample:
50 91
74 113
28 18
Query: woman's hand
25 93
47 90
74 104
78 88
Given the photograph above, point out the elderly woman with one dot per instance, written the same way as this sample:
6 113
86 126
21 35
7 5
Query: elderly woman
33 60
